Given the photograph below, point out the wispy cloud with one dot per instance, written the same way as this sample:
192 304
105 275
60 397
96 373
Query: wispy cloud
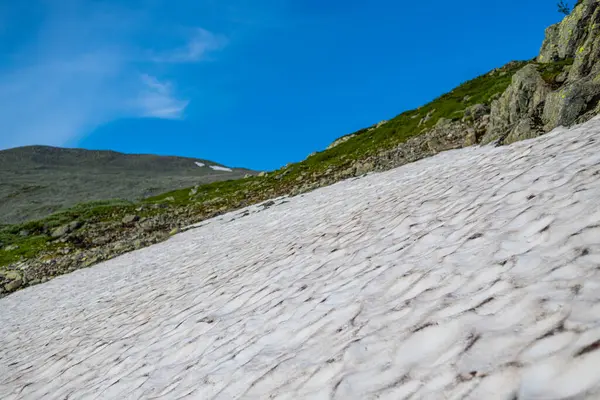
158 100
198 47
82 67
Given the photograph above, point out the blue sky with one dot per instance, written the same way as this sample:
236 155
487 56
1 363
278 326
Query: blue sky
245 83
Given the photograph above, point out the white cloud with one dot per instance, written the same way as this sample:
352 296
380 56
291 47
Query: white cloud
83 68
158 100
200 43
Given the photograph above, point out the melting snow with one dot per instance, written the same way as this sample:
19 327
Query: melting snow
469 275
217 168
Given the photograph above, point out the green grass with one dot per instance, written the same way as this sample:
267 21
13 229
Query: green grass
227 195
550 71
397 130
38 236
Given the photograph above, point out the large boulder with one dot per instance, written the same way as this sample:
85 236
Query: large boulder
569 104
514 114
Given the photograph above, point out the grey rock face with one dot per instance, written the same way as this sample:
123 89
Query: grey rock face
519 106
564 39
531 106
564 106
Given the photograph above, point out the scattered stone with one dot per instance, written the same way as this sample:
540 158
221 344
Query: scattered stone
13 285
262 174
427 117
65 229
60 231
268 204
11 247
128 219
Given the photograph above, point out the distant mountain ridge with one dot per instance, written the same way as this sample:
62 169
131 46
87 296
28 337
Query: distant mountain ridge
38 180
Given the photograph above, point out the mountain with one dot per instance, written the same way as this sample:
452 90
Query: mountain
521 100
39 180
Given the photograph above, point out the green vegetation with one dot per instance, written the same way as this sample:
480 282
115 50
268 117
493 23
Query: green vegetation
450 105
34 238
550 71
21 241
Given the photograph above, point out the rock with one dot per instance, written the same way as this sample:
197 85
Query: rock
577 36
24 233
10 274
443 122
128 219
262 174
477 112
363 168
13 285
341 140
470 138
60 231
561 78
173 231
564 106
523 99
65 229
11 247
426 117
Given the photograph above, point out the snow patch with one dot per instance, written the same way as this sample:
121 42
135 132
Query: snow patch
217 168
199 164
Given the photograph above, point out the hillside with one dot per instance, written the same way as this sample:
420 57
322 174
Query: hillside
521 100
39 180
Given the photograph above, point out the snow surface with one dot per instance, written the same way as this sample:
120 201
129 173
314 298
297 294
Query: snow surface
217 168
199 164
472 274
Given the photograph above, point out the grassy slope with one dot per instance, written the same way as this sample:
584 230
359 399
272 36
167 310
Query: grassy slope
233 194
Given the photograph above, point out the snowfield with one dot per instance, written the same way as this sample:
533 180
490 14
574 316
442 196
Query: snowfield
472 274
199 164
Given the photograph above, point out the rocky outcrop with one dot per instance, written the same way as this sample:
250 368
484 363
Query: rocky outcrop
537 100
516 114
564 39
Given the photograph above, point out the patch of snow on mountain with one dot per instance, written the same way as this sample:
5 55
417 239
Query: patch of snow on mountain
217 168
199 164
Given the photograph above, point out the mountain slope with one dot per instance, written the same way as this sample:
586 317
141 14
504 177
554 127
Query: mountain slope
39 180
